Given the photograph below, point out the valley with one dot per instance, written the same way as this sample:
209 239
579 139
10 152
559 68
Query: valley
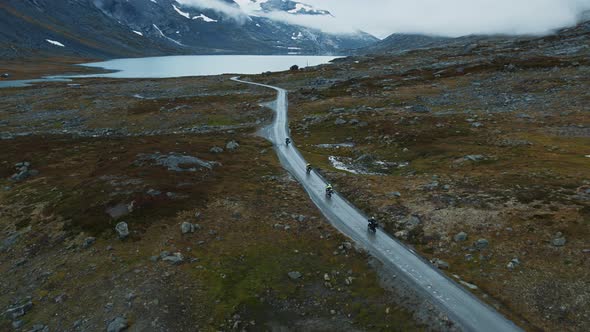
156 204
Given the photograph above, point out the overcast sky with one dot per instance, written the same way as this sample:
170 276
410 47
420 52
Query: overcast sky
440 17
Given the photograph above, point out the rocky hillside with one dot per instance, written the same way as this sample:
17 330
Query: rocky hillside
116 28
476 153
155 207
400 42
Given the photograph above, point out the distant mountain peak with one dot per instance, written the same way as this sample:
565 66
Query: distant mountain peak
287 6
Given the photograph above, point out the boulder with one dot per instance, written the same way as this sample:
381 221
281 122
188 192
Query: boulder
294 275
439 263
175 162
475 157
460 237
558 240
340 122
481 244
232 145
175 258
216 149
122 230
88 242
118 324
187 227
514 263
23 171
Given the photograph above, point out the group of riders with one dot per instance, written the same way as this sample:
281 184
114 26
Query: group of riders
330 191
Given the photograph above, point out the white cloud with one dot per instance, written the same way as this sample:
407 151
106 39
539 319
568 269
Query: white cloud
436 17
454 17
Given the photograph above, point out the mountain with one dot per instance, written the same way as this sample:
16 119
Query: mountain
288 6
399 42
129 28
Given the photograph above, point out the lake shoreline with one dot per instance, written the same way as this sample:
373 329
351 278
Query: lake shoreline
172 67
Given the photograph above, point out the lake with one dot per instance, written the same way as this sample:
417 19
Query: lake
187 65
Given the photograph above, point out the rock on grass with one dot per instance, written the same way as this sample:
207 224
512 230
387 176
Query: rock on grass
89 241
232 145
439 263
175 258
481 244
122 230
187 227
558 240
118 324
460 237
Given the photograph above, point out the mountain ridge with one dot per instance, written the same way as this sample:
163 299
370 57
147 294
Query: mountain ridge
118 28
401 42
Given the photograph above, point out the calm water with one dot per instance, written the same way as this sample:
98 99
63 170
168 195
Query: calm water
190 65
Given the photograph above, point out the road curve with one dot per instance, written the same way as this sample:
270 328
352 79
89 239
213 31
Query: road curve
462 307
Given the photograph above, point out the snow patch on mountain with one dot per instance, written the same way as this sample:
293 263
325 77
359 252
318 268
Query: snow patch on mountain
56 43
185 14
168 38
258 7
297 36
299 7
204 18
250 5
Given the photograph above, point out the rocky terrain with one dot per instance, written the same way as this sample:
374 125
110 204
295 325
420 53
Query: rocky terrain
152 204
475 154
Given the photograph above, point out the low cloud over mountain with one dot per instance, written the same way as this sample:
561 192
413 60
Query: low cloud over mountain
445 18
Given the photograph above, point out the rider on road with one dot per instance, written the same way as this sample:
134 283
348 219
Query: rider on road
372 222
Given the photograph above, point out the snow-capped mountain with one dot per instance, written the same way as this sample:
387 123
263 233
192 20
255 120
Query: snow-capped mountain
291 7
114 28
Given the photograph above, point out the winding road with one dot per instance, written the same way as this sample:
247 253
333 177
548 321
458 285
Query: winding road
462 307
